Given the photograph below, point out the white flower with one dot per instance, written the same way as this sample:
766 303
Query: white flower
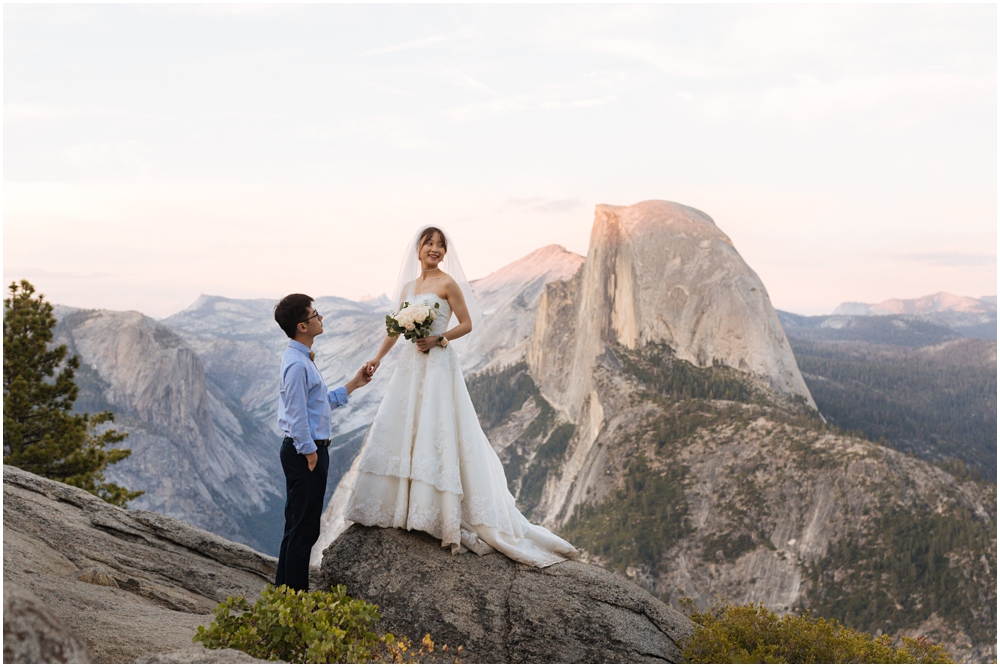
420 317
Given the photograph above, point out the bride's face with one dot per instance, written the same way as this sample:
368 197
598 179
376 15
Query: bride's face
432 251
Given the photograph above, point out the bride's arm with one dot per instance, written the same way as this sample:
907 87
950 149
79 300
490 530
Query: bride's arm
457 301
383 350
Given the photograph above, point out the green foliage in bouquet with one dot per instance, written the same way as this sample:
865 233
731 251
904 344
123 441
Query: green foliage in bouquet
318 627
752 633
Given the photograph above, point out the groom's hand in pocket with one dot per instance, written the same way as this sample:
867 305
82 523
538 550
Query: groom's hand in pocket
311 460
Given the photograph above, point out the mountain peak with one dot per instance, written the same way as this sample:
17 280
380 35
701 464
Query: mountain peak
633 218
658 272
551 262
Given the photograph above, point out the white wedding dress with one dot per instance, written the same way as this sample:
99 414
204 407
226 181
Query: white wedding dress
427 465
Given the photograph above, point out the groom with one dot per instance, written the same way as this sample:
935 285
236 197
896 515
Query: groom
304 406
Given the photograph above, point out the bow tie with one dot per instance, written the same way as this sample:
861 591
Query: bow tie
312 356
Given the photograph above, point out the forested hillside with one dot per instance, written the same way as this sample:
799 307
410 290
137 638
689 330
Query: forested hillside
709 486
937 402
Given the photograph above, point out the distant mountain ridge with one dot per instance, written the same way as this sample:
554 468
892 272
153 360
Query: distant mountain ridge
941 302
961 316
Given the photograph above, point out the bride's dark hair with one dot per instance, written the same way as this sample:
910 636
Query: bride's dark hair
429 233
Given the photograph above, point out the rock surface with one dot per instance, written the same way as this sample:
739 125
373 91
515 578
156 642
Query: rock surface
32 635
199 655
126 583
657 272
500 611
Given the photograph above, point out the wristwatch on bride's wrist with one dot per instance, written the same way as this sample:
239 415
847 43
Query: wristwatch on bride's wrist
442 341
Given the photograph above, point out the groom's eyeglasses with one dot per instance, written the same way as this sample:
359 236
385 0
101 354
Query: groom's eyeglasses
310 317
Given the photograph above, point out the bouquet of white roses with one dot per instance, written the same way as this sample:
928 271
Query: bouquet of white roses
411 322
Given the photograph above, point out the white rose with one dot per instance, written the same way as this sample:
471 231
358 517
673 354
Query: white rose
420 317
408 326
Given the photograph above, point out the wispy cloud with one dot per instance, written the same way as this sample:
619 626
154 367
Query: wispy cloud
466 81
960 259
19 113
30 272
895 99
130 153
543 205
549 99
413 44
224 9
478 110
579 104
398 131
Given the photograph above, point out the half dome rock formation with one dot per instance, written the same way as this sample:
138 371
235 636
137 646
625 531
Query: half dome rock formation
500 611
658 272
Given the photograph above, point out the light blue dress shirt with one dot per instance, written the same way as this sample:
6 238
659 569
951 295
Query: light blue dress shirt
304 403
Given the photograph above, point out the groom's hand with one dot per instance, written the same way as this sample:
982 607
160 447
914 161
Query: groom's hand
311 460
360 379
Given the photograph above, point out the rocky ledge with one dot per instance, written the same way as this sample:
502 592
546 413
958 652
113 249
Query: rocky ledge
501 611
125 584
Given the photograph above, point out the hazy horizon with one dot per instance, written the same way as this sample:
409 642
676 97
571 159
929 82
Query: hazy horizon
154 153
372 295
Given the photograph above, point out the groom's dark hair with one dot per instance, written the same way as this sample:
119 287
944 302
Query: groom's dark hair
291 310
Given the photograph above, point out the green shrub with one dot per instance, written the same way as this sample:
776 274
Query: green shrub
318 627
753 633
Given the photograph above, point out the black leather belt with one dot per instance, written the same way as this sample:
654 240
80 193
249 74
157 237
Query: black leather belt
319 443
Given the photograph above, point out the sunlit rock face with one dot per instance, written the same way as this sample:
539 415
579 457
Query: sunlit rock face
658 272
195 452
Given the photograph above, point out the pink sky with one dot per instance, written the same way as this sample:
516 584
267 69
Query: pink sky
155 153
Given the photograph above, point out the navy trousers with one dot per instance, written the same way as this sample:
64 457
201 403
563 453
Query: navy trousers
304 491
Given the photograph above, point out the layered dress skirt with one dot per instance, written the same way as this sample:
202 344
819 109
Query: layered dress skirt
427 464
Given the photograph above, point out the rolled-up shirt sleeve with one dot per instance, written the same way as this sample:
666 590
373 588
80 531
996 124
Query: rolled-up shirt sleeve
338 397
296 414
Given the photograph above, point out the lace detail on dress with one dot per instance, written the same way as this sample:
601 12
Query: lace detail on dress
427 465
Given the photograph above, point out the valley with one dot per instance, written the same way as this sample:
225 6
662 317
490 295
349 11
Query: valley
648 403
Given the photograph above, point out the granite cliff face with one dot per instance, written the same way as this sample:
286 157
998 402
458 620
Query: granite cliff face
198 455
509 300
662 424
658 272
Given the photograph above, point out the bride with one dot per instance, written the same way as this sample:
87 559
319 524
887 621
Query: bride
426 464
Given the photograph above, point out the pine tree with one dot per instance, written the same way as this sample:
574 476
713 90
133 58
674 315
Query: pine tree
41 434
